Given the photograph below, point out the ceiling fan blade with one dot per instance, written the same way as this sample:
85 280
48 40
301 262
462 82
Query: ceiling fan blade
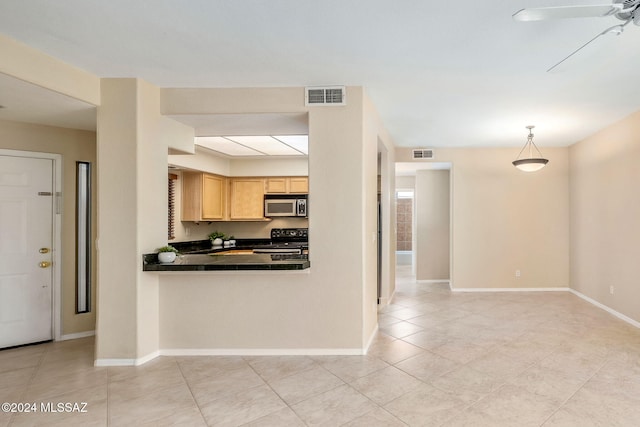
563 12
616 29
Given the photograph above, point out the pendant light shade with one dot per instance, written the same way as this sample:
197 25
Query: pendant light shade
531 163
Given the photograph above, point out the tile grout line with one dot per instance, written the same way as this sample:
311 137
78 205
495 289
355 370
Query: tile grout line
270 388
574 393
184 378
30 381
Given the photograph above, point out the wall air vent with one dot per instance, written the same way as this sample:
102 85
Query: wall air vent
422 154
326 95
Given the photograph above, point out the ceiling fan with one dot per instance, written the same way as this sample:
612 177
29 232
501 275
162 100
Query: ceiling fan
625 10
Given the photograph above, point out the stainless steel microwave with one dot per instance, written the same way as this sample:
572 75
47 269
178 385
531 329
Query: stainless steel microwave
285 206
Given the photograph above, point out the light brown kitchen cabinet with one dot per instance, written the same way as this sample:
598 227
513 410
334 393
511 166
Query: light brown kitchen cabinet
276 186
299 185
287 185
204 197
247 199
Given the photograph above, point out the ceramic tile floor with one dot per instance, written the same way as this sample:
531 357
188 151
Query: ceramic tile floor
440 359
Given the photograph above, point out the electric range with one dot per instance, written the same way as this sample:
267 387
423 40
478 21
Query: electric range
285 241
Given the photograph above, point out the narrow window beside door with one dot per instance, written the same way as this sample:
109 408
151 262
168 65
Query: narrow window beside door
83 237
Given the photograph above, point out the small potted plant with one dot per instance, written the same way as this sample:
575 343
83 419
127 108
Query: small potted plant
167 254
216 238
229 241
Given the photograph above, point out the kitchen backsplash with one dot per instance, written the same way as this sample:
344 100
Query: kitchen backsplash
187 231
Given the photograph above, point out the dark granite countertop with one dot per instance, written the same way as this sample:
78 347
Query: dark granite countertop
204 246
213 262
200 256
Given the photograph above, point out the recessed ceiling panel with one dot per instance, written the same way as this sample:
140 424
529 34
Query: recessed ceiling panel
225 146
265 144
299 142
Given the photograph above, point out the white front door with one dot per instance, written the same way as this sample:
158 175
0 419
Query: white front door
26 227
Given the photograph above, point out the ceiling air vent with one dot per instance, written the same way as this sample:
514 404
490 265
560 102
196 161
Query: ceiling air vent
326 95
422 154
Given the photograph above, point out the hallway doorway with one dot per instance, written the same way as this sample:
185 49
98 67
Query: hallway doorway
404 227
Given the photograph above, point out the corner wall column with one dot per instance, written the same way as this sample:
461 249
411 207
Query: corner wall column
132 203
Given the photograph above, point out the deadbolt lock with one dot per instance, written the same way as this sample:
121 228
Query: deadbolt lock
44 264
44 250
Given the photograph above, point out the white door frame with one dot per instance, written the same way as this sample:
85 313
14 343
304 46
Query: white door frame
56 297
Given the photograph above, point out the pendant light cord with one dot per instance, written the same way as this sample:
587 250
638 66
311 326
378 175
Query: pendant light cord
529 144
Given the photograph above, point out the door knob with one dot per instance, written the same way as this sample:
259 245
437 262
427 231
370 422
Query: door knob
44 250
44 264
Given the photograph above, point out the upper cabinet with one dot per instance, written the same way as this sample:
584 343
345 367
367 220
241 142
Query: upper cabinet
299 185
209 197
247 199
204 197
287 185
276 186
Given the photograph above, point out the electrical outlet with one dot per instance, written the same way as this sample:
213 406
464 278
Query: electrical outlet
611 289
517 273
187 231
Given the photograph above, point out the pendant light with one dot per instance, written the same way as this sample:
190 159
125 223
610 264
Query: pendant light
530 164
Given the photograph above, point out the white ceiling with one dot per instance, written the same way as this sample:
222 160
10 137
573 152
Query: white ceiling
440 73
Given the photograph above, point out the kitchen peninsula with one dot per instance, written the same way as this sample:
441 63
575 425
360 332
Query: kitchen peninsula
219 261
287 249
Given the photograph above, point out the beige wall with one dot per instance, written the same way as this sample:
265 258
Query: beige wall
270 167
605 216
329 306
432 190
202 160
73 145
117 220
28 64
132 214
505 220
405 182
377 144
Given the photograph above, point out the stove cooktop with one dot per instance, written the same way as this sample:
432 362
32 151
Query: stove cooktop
285 240
288 235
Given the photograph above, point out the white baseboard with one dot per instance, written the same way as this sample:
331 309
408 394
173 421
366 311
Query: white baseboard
433 281
386 301
126 362
262 352
510 290
114 362
606 308
76 335
142 360
322 351
371 338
